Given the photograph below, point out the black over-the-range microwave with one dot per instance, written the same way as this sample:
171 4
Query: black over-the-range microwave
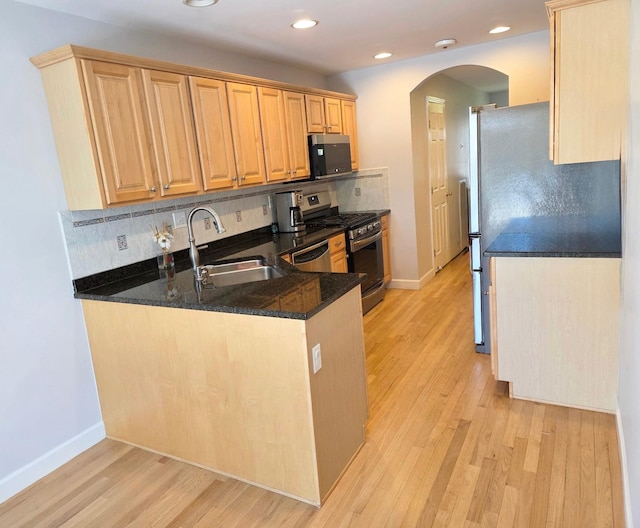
330 155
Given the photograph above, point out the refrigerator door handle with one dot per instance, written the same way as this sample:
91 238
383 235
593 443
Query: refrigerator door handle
475 252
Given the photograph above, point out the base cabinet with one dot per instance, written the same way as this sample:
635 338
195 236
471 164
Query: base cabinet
386 248
338 251
556 325
236 393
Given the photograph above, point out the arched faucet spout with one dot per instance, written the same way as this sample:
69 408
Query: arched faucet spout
193 250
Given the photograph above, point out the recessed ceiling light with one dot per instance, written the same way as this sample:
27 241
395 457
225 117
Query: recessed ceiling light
499 29
445 43
199 3
304 23
383 55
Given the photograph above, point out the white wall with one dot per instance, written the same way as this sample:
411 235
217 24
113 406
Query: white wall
629 359
384 127
49 408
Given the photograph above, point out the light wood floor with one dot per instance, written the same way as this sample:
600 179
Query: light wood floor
445 447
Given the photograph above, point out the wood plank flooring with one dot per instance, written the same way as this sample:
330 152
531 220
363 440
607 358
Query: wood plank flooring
445 447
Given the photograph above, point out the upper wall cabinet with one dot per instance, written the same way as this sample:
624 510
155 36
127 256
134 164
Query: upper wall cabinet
213 132
247 134
122 160
589 43
284 133
350 128
324 115
129 129
174 142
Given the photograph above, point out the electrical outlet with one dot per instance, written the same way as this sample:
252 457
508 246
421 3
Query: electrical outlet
264 210
122 242
179 219
316 354
358 191
207 223
238 216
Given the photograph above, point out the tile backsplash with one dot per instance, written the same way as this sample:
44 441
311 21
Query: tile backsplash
100 240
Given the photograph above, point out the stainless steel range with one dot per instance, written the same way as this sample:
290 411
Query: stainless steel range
364 243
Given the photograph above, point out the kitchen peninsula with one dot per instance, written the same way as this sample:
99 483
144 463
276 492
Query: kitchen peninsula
263 381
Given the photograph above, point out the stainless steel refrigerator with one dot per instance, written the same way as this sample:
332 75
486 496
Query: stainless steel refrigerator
512 180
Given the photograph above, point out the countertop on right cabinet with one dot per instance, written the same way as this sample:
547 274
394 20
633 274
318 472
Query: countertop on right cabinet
560 236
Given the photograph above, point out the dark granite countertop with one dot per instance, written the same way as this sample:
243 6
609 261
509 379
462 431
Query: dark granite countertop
296 295
576 237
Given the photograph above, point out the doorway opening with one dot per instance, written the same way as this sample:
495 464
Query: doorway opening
440 143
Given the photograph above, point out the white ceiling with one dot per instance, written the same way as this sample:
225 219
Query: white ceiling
349 34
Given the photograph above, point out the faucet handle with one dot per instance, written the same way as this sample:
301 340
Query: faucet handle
203 275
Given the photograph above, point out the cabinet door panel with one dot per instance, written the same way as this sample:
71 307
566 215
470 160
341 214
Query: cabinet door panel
315 114
173 134
349 127
589 95
274 134
213 133
297 134
338 249
247 136
333 115
121 130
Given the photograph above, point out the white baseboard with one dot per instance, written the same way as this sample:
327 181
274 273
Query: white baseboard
625 475
402 284
42 466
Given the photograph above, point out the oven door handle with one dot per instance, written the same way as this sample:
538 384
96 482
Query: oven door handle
359 244
308 249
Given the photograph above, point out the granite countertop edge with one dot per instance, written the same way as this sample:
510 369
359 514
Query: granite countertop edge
553 254
347 281
112 286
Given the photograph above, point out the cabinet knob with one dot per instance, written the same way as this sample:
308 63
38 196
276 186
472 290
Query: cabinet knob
288 172
449 194
153 189
166 186
244 176
235 178
295 171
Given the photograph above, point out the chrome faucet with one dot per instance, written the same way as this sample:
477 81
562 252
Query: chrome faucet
199 273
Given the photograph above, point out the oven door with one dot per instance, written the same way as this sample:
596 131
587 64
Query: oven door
365 256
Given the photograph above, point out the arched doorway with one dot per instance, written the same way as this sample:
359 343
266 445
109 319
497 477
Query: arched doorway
445 196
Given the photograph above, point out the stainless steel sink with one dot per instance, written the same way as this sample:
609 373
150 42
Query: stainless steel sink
241 272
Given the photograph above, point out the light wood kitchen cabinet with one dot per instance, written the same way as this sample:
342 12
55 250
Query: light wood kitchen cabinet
386 248
324 115
493 323
556 328
226 392
119 124
130 129
172 130
338 252
247 133
213 133
294 111
284 134
590 53
350 128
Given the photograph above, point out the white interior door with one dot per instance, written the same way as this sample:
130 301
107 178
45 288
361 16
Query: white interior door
437 160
